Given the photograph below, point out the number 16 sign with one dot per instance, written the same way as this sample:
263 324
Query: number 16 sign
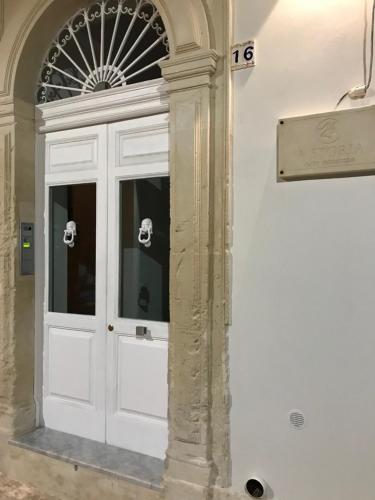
243 55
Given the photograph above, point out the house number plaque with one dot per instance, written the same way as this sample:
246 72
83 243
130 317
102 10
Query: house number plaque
243 55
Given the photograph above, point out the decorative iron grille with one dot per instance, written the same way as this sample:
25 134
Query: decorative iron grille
111 43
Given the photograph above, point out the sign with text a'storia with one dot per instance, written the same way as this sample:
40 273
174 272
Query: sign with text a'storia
336 144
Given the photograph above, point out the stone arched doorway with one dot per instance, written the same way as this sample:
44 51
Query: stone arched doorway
199 86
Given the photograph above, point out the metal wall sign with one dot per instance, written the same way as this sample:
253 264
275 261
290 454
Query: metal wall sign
335 144
243 55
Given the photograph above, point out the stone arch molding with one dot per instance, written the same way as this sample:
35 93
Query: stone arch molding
185 20
198 79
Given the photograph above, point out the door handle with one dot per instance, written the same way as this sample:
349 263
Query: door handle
140 331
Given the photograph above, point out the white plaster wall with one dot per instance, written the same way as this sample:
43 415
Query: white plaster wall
303 332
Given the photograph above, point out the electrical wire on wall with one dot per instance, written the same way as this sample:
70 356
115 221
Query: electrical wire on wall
359 92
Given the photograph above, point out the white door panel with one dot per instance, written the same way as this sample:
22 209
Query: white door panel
70 367
137 420
142 364
144 137
74 155
139 148
143 434
68 416
70 381
100 384
75 150
74 341
137 378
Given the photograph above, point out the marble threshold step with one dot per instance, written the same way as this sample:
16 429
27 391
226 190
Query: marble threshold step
124 464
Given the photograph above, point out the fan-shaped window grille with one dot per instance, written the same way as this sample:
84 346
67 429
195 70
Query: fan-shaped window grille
109 44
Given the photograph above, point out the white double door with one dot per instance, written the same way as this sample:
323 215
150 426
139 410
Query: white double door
104 378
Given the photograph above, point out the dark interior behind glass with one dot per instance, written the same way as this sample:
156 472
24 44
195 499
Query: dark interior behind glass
72 270
144 272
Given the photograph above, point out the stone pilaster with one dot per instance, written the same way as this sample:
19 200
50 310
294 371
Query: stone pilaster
7 276
189 463
1 18
16 292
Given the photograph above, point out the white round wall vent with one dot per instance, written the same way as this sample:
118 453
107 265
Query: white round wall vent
297 419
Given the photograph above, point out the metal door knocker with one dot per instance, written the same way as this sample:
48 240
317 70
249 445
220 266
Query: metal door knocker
145 232
70 232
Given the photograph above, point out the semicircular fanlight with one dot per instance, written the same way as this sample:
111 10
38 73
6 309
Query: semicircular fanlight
110 44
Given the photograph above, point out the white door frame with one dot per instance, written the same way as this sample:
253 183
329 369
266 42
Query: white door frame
144 99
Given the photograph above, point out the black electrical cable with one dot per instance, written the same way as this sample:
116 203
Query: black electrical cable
341 99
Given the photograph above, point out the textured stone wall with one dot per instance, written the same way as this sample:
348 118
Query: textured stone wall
16 292
8 242
198 77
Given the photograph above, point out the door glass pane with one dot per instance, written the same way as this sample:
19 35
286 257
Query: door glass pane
144 270
72 268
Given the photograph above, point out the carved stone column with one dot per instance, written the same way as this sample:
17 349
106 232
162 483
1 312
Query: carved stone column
189 465
17 413
1 18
